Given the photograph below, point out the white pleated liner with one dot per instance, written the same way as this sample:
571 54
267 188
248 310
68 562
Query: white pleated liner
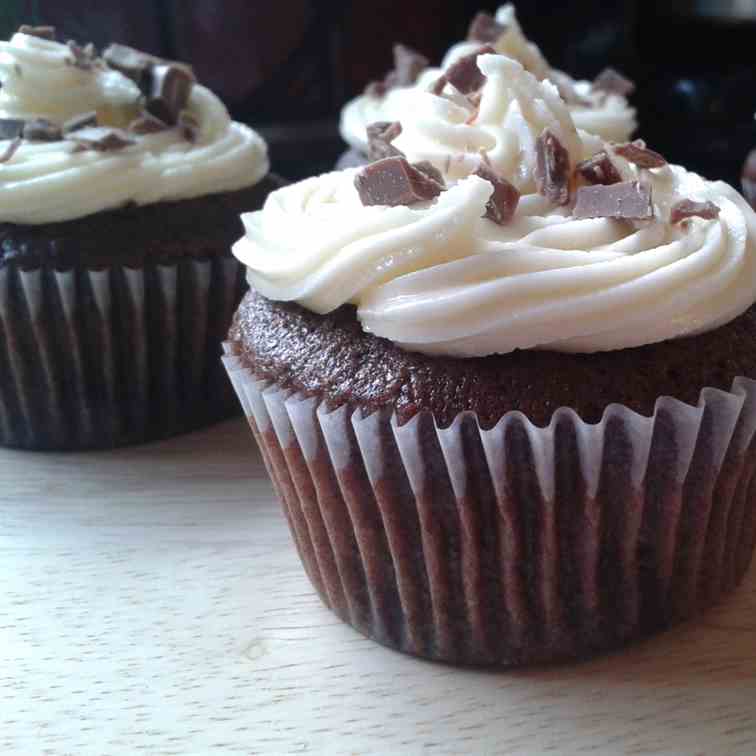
98 358
518 543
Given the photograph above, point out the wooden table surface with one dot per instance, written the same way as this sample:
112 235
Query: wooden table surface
151 602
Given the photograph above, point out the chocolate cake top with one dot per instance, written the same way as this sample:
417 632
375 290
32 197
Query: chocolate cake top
331 357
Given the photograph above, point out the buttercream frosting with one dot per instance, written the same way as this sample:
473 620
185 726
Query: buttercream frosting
52 181
607 115
438 277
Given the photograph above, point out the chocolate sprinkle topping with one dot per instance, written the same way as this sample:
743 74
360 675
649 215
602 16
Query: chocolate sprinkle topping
83 121
168 91
599 169
147 124
10 128
430 170
43 32
393 181
130 62
552 171
102 139
485 28
465 75
612 81
42 130
688 208
502 205
379 136
10 150
438 85
629 199
637 152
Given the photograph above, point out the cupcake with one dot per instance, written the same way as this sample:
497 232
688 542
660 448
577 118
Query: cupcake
122 181
599 107
503 379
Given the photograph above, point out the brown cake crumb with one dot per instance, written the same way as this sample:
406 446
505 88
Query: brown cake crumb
332 357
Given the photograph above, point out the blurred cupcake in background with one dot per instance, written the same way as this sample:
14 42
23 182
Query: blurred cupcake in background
121 184
600 107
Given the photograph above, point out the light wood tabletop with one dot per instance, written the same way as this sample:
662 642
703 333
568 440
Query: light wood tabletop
151 602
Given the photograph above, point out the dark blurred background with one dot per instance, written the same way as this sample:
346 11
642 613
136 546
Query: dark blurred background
287 66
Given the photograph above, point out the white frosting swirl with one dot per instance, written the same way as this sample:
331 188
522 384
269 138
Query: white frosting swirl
608 116
514 109
48 181
438 278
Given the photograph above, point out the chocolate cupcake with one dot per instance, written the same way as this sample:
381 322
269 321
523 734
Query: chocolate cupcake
122 181
503 380
599 107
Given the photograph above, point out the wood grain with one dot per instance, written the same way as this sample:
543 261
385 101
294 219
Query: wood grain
151 602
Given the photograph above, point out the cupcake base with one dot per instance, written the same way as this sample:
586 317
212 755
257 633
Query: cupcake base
514 544
98 359
111 325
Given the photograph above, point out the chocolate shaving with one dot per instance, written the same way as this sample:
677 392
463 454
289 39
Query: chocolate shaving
485 28
464 73
599 169
188 126
83 121
748 179
84 58
132 63
10 150
552 170
168 91
430 170
502 204
10 128
43 32
612 81
630 200
688 208
42 130
636 152
102 139
379 138
438 85
147 124
393 181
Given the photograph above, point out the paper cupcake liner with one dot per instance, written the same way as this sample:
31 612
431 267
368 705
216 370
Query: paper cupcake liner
516 544
101 358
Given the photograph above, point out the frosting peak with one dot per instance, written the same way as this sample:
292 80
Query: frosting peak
514 110
596 112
